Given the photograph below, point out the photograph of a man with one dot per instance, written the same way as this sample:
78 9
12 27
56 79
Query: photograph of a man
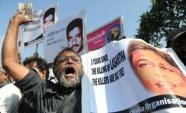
74 34
49 17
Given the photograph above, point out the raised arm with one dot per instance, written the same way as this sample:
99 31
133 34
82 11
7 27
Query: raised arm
10 57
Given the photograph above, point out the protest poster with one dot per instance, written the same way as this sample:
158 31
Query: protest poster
130 76
34 31
66 33
31 31
1 43
103 35
50 16
174 56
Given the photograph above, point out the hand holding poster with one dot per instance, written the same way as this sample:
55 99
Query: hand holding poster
134 78
33 32
27 7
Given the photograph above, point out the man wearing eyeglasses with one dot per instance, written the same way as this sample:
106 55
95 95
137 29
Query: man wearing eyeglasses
44 96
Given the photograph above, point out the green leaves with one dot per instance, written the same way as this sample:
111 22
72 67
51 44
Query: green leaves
163 16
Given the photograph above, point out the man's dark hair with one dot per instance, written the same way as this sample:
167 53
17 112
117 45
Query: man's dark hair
48 12
41 64
78 22
55 63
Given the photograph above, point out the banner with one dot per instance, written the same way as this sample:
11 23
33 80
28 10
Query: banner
103 35
1 44
173 55
66 33
33 32
130 76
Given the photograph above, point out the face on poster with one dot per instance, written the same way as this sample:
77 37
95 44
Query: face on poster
66 33
151 81
156 69
34 31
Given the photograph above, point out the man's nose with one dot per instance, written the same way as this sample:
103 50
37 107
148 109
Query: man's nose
74 41
69 60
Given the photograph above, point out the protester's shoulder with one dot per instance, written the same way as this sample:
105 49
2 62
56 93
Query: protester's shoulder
10 86
10 89
31 75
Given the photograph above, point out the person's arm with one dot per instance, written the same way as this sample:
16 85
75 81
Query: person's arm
10 57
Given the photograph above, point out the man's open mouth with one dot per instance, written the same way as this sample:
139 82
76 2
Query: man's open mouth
70 71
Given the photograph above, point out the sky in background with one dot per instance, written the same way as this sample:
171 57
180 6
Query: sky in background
98 13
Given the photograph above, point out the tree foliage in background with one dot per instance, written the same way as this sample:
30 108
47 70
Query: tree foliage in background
164 16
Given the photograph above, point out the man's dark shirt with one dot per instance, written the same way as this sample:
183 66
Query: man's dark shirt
41 96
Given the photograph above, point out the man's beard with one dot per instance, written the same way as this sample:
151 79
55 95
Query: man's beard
72 82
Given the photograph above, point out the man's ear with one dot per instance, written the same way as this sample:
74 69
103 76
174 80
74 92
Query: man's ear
44 72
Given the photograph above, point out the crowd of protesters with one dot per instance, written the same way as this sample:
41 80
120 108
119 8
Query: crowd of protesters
25 87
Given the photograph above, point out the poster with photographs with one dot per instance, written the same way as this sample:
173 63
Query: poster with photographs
111 31
69 32
131 76
34 31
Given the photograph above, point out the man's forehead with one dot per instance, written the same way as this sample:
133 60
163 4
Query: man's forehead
49 18
74 31
69 53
